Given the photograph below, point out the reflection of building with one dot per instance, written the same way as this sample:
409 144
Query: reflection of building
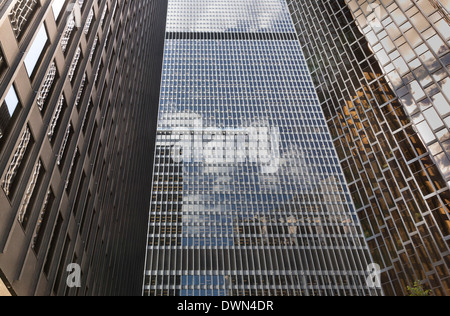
77 108
166 217
386 111
247 230
410 41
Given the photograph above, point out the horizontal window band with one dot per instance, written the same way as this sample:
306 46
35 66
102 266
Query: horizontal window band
231 36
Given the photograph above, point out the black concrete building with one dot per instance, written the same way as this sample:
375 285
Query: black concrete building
79 91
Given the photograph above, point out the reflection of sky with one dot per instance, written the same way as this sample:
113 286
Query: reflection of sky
228 16
11 100
35 51
201 281
251 91
57 6
410 65
232 86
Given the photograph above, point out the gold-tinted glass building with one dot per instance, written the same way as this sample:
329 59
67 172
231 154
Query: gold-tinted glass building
381 69
77 112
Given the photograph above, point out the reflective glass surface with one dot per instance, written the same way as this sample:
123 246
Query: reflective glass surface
248 195
387 147
411 38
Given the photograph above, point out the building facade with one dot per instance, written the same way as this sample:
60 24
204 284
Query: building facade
248 196
77 115
381 70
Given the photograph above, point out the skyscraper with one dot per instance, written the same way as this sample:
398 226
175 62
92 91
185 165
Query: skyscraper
248 196
381 72
79 90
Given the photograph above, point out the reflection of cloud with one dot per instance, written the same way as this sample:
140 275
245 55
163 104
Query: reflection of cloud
210 169
183 119
225 15
442 160
445 139
224 184
205 219
444 165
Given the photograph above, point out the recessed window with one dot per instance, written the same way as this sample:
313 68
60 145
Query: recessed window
7 110
16 166
11 101
56 120
57 7
426 132
68 34
3 64
30 196
53 244
21 16
47 87
75 65
44 217
36 51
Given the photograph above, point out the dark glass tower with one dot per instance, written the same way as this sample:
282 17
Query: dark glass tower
381 69
248 195
77 125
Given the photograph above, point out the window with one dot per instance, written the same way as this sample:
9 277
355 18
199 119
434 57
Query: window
57 7
16 166
21 15
75 64
36 51
3 64
7 110
55 123
11 101
44 216
47 87
30 194
91 18
53 244
68 34
66 142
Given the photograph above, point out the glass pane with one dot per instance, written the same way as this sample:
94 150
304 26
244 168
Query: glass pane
35 51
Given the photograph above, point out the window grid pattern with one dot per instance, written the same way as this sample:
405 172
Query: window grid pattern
68 32
25 207
74 64
65 142
89 21
42 220
414 53
20 15
401 197
16 162
47 86
3 65
55 118
220 224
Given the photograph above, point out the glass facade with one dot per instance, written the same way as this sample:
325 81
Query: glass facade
411 43
381 72
248 194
